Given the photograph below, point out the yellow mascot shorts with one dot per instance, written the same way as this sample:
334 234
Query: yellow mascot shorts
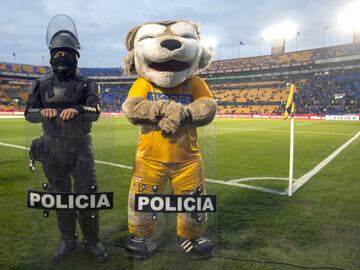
151 177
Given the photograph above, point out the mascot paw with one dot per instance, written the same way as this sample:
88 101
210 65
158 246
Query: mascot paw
168 127
174 112
173 116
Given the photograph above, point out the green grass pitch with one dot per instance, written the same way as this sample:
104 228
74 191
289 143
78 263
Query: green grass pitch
319 225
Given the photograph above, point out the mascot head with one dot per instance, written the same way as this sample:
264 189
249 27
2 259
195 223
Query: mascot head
165 53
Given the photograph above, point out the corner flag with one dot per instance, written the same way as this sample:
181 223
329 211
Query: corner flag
290 105
289 110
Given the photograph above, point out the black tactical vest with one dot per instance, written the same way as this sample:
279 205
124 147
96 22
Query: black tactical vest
60 95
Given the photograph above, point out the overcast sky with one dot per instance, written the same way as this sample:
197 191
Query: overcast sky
102 25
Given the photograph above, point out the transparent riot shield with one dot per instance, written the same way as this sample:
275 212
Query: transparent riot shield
167 235
61 25
74 176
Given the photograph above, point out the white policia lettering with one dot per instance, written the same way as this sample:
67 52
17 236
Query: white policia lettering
73 201
174 203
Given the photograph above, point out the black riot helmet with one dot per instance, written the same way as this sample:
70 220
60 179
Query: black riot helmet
62 34
63 42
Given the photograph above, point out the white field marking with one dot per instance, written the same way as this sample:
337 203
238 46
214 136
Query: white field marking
15 146
235 182
229 183
303 179
114 164
96 161
286 131
11 116
258 178
305 124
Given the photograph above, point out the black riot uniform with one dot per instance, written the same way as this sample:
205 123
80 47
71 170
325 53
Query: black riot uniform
66 149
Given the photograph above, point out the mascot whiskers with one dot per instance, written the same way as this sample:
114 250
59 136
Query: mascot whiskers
168 101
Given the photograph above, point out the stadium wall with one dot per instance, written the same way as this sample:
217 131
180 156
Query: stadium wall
352 117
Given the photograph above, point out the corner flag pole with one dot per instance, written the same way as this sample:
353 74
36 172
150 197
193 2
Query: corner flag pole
289 111
291 163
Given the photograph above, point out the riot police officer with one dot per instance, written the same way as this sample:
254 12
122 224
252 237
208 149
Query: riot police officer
67 104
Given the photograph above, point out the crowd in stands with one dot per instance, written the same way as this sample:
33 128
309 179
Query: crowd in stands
264 62
285 59
26 69
40 70
13 96
329 94
112 97
319 94
336 51
231 65
100 71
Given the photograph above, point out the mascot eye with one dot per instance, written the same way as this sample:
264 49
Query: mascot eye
188 36
145 37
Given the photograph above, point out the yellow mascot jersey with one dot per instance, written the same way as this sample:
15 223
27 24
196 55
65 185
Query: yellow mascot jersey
183 145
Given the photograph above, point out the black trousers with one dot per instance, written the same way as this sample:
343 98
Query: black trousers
69 167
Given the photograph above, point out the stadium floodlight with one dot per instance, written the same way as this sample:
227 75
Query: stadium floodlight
284 30
349 18
210 42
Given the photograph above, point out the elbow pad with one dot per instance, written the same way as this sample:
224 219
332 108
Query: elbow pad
33 115
88 109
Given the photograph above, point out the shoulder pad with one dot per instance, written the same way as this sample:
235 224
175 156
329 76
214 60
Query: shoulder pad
46 77
34 84
92 86
80 78
88 83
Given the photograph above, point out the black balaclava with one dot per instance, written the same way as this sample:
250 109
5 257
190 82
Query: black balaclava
63 65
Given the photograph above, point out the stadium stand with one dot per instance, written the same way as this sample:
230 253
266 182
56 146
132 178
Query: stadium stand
112 97
327 80
13 95
100 72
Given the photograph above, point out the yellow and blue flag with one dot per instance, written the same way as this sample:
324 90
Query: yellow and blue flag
290 105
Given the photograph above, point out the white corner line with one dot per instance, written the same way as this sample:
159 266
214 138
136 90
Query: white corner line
245 179
15 146
96 161
235 182
114 164
228 183
303 179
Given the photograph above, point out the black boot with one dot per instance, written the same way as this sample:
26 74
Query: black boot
200 248
139 248
66 222
65 247
97 250
89 223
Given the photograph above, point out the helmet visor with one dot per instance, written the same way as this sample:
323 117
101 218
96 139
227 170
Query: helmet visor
61 24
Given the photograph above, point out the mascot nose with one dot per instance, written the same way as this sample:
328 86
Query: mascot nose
170 44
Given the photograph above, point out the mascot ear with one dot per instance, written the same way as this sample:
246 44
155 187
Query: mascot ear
205 58
129 62
130 37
